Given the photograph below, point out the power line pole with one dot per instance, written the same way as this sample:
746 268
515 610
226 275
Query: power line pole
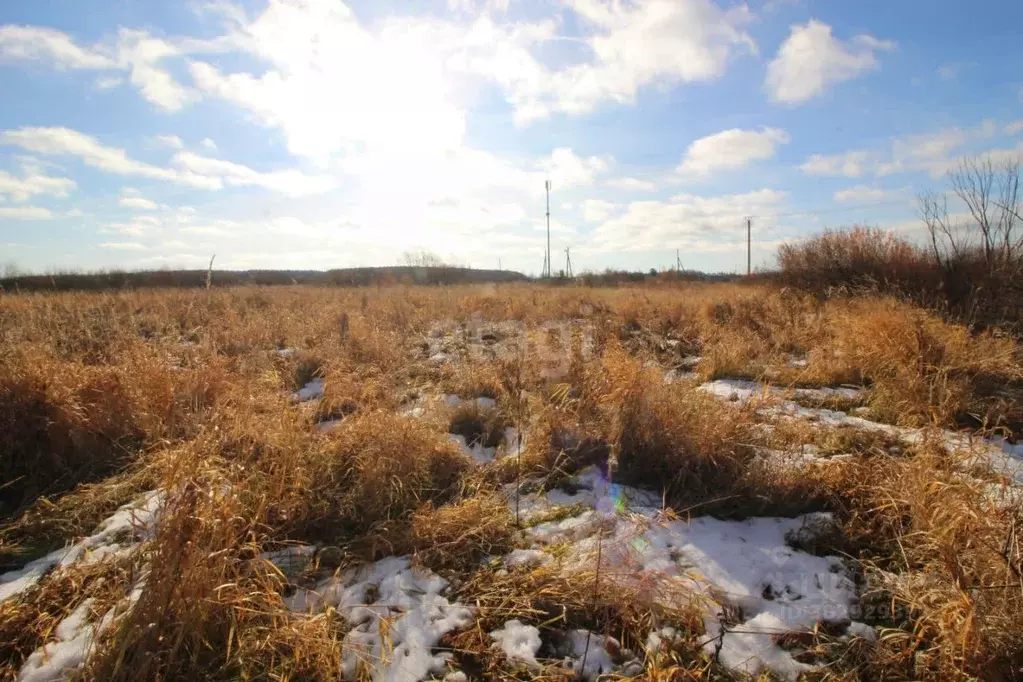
568 262
749 246
678 262
547 188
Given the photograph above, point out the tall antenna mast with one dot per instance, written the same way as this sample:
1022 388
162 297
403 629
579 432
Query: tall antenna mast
568 262
547 188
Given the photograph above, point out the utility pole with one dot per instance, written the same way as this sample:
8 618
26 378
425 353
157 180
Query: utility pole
749 246
547 188
499 264
568 263
678 262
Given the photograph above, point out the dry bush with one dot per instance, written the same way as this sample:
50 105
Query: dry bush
921 368
936 548
462 534
858 258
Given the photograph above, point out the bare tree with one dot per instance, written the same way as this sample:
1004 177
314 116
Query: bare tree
422 259
990 193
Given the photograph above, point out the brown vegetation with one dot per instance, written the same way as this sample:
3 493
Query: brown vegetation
105 395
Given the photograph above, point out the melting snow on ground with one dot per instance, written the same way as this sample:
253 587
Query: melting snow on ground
520 643
1001 456
311 391
117 536
398 617
72 642
723 567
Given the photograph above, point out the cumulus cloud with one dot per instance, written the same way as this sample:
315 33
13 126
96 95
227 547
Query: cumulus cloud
684 221
632 184
169 141
122 246
32 182
861 194
132 198
26 212
187 168
811 60
933 152
50 46
596 210
731 149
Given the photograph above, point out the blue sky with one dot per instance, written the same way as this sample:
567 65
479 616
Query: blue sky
319 134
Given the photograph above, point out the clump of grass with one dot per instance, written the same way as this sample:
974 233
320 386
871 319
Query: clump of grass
460 535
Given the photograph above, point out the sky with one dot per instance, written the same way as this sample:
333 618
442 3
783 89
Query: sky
314 134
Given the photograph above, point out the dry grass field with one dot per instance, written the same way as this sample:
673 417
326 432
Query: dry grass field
701 481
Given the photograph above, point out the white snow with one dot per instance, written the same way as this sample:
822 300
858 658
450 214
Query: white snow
594 660
519 642
118 535
739 566
311 391
398 616
479 454
743 390
73 640
862 630
997 453
527 558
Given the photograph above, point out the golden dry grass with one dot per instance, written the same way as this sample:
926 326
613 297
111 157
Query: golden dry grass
106 395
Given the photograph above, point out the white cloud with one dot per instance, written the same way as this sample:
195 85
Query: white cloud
596 210
107 82
138 202
860 194
122 246
67 142
189 168
850 164
632 184
140 53
32 182
731 149
291 182
811 59
25 212
632 46
565 169
138 226
207 143
169 141
39 44
685 221
1013 128
934 153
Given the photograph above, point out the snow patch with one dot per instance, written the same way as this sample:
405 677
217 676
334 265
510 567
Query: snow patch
398 616
118 535
589 655
518 642
527 558
311 391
